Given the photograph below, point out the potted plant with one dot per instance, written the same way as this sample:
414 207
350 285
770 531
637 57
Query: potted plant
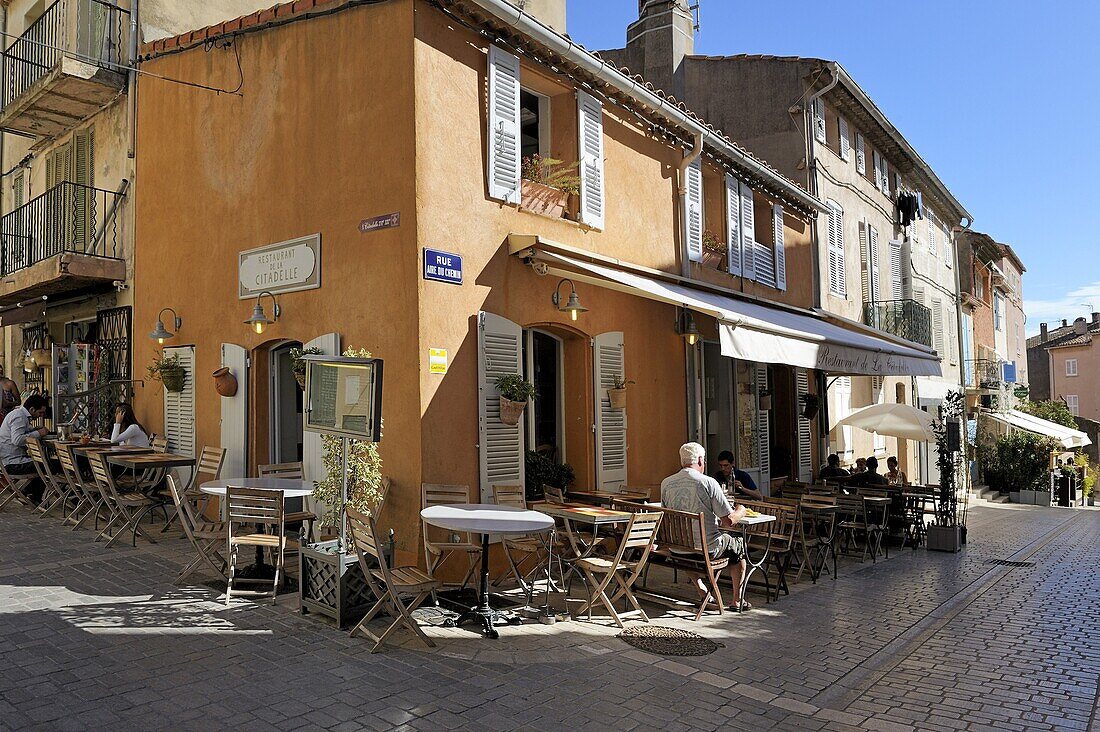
1088 478
514 393
298 364
714 250
539 470
168 371
546 184
617 393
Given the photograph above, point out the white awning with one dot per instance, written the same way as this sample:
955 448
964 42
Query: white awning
1069 438
756 332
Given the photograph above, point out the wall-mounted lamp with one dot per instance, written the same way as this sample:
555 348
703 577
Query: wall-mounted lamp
160 334
573 305
259 319
686 327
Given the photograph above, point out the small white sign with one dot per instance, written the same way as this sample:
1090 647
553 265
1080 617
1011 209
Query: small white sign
288 266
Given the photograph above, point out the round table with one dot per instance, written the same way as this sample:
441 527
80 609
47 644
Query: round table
485 519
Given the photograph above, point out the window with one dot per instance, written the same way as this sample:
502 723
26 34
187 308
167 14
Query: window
979 286
534 124
845 146
998 311
819 119
837 285
1071 367
861 155
1071 402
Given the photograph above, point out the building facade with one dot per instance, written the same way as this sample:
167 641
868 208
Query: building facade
1065 365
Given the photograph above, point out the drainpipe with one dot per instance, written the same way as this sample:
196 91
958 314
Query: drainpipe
691 157
131 81
955 231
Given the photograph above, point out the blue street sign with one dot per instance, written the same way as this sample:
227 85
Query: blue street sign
442 266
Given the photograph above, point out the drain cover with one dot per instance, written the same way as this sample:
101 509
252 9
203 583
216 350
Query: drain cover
1009 563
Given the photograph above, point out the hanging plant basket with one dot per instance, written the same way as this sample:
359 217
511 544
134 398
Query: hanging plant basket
617 397
510 411
225 383
173 378
301 379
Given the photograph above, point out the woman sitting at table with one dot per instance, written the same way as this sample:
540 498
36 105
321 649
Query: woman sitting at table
895 476
127 430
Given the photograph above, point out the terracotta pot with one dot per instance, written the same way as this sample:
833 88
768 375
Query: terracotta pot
713 259
173 379
510 411
301 379
542 199
225 383
617 397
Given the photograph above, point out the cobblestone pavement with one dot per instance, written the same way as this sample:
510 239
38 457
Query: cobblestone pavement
96 638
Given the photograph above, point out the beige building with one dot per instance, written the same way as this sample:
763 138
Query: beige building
1065 365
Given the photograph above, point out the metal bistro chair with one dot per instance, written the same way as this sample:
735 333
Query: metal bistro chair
639 535
388 584
128 507
205 536
441 544
248 510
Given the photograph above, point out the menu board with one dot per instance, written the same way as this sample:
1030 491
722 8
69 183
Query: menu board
344 396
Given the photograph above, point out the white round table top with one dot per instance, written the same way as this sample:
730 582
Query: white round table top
291 487
486 518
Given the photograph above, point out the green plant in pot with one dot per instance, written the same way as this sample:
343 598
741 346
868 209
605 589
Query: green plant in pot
714 249
168 371
540 470
617 394
546 184
298 363
515 391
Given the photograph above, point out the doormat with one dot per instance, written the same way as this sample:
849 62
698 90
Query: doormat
668 641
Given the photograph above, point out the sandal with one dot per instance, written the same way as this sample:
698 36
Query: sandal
745 605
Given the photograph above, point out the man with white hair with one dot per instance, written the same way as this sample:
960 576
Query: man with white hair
694 491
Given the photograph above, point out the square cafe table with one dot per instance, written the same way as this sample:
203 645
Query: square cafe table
751 565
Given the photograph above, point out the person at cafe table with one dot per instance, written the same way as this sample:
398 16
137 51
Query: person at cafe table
14 432
127 430
730 477
694 491
870 477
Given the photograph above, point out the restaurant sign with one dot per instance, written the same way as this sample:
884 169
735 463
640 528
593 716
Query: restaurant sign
288 266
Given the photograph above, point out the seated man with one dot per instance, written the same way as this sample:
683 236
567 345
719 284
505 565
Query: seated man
833 469
869 478
14 432
694 491
734 480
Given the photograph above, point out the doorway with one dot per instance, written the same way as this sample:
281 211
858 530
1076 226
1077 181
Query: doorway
285 406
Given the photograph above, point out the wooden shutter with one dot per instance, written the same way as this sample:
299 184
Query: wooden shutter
234 413
819 119
932 247
780 250
918 294
313 466
503 138
872 251
693 210
609 365
843 389
907 268
837 274
864 262
590 124
83 199
884 184
764 264
748 233
179 407
876 161
18 191
805 434
733 224
763 436
845 145
861 155
897 290
501 446
937 327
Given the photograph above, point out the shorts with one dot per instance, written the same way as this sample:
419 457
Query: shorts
729 547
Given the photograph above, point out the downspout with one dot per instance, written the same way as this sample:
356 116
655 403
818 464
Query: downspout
685 163
8 362
131 80
966 478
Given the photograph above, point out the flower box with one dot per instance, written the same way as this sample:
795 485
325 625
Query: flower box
943 538
542 199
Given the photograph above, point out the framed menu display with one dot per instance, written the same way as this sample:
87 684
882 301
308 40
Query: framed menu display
344 396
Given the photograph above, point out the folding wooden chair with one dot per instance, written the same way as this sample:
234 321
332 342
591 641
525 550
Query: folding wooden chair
248 511
129 507
205 536
680 542
388 585
441 544
291 471
552 494
13 487
209 467
527 547
639 535
90 501
57 493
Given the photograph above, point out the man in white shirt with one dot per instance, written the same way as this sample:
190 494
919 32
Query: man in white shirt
694 491
14 432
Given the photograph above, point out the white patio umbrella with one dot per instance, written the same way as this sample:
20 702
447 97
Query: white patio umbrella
895 420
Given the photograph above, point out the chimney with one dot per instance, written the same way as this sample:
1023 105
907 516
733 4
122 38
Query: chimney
661 37
1042 332
1096 318
1080 327
1064 323
548 12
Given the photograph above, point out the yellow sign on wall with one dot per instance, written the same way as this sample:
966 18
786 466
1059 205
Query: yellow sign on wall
437 360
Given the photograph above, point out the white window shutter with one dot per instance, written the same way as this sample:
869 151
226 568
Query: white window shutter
805 434
748 233
590 124
501 446
504 149
179 407
733 224
608 360
864 262
876 161
764 264
918 295
819 119
861 155
872 250
952 340
932 247
693 210
897 290
234 413
763 432
884 182
313 465
845 145
837 284
780 251
937 327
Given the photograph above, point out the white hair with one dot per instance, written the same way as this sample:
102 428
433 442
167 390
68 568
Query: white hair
691 453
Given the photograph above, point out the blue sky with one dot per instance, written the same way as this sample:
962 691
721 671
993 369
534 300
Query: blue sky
997 96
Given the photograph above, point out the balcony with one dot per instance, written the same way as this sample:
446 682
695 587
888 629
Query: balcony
906 319
984 375
62 242
67 65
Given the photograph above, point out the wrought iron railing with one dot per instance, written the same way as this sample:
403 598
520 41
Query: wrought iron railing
982 373
67 218
93 411
93 31
907 319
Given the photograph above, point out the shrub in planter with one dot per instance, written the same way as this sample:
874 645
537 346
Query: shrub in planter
540 470
514 393
1016 462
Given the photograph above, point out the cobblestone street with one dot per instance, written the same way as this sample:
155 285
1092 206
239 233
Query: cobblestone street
96 638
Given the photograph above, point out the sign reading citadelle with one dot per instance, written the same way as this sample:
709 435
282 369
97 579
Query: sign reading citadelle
288 266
